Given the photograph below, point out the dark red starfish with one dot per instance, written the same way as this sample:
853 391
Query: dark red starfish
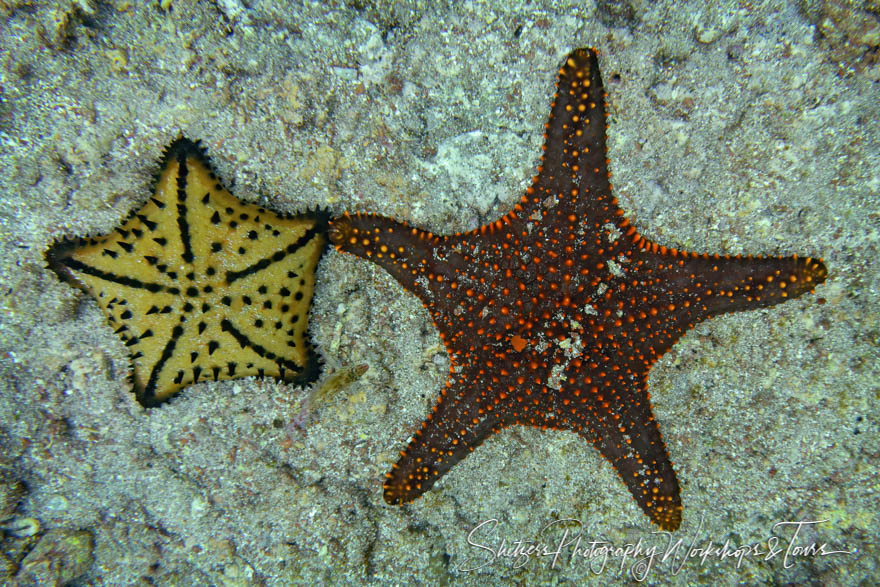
554 314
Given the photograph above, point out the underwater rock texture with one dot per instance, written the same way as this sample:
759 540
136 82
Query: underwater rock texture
734 128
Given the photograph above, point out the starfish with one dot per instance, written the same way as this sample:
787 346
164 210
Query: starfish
553 315
200 285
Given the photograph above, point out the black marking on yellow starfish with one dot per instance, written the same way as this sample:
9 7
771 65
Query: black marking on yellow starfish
201 285
554 314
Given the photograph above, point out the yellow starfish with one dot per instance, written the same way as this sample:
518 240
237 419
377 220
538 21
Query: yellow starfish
202 285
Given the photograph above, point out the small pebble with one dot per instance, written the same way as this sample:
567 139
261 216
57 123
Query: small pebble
20 527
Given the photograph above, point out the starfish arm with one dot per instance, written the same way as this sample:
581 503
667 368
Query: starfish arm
635 448
718 285
573 178
421 262
666 292
462 419
614 413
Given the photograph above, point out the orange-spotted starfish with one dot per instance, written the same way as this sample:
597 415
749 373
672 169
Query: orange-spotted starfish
554 314
201 285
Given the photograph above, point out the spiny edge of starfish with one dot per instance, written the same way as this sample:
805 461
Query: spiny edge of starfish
59 246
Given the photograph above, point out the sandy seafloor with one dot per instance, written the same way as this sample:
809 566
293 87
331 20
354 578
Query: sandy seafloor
746 128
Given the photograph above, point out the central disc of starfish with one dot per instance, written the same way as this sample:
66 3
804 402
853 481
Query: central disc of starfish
554 314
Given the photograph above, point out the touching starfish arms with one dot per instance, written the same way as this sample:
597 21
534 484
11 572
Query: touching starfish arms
554 314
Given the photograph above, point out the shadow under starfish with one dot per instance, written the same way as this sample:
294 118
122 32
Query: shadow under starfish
554 314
